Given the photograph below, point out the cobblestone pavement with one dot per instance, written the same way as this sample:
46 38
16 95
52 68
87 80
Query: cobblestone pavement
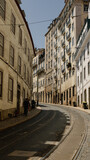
19 119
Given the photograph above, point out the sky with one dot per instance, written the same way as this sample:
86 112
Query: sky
41 10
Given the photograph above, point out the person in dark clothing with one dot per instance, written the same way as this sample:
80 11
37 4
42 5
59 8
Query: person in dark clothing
25 104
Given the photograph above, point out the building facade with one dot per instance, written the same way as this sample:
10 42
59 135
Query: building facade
82 58
60 42
39 75
16 53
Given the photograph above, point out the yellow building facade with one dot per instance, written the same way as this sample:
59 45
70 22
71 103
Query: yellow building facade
16 53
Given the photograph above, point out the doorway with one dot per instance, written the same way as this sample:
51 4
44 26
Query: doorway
18 98
67 97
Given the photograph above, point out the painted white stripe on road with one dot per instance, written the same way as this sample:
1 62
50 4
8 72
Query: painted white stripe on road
52 142
35 158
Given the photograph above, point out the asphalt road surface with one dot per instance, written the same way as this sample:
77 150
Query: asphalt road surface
56 127
35 137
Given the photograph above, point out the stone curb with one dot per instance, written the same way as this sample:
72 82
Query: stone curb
33 113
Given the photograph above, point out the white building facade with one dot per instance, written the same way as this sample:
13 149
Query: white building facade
39 75
60 48
82 58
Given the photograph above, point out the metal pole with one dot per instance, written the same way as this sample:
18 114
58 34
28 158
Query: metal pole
37 89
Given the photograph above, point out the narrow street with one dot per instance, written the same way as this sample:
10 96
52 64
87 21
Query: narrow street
33 137
57 133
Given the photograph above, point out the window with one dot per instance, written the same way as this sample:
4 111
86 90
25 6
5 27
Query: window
1 45
72 12
11 55
80 60
70 93
10 90
84 73
25 46
84 54
19 65
88 68
28 76
73 90
28 54
51 63
1 81
72 57
85 95
66 76
64 96
72 26
72 41
20 36
80 77
88 49
69 44
24 71
46 66
13 23
23 94
85 7
2 8
78 80
69 73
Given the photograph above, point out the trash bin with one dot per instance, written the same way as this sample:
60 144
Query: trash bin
85 105
33 103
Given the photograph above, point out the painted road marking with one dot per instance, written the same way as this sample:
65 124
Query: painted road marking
52 143
34 158
18 153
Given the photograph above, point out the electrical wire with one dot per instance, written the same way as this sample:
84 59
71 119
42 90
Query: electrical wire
38 22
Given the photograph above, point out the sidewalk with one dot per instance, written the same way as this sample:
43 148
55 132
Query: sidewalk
79 108
17 120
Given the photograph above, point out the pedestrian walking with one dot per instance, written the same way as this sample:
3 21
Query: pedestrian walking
26 104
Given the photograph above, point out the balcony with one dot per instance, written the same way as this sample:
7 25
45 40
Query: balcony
55 55
63 56
55 35
63 43
55 86
68 36
34 64
59 25
69 66
55 46
70 4
55 76
63 71
40 70
68 50
55 65
63 30
68 23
